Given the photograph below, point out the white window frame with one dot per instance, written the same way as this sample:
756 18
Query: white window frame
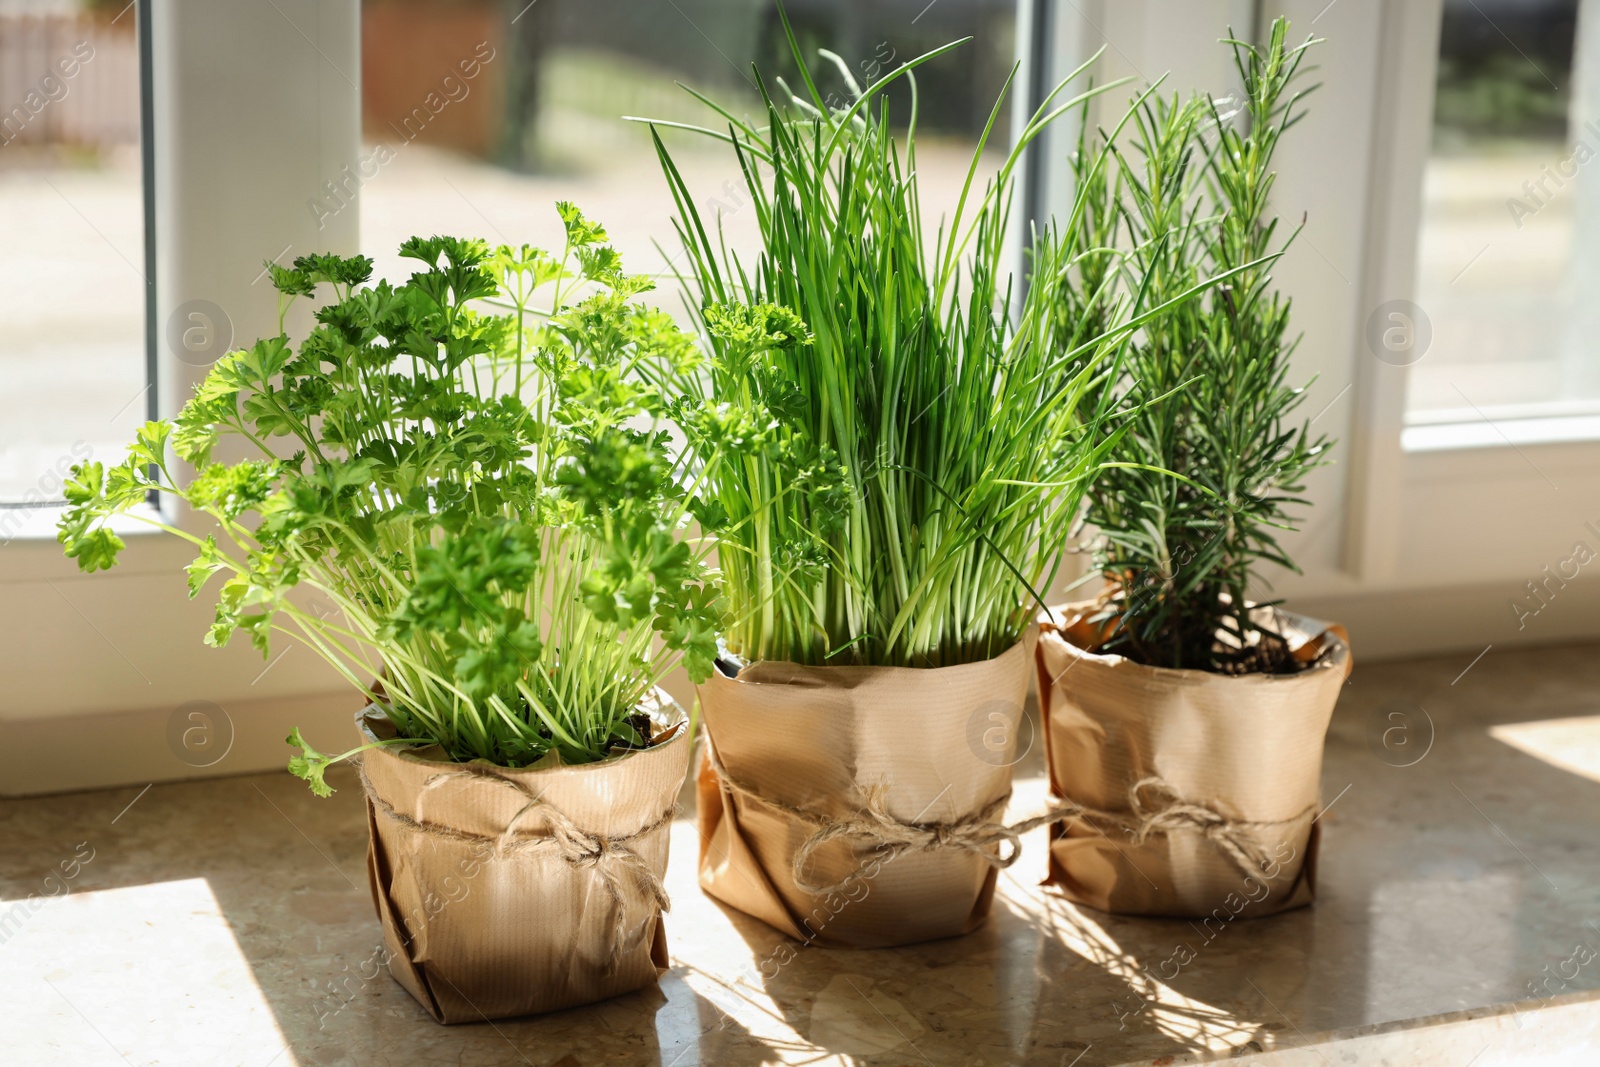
255 105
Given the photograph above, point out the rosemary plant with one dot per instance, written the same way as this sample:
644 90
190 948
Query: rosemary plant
1206 383
476 485
933 436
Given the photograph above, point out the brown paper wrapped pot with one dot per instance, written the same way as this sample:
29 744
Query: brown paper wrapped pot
1230 768
803 750
506 892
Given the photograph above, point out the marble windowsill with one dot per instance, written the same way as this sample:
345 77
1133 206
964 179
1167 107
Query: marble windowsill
229 921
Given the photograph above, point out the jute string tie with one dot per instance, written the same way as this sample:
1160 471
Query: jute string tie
999 844
980 833
610 858
1166 810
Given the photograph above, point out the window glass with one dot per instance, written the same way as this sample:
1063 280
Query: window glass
1509 264
480 115
72 283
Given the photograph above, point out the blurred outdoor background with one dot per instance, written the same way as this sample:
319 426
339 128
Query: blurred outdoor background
72 285
478 116
543 119
1502 273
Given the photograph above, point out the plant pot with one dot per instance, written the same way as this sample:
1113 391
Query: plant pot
506 892
860 806
1198 792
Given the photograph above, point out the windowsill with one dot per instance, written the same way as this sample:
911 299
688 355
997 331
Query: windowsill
1420 842
1499 432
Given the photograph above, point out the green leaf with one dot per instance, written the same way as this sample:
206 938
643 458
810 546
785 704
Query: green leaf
207 563
150 445
86 483
310 765
95 550
234 490
290 281
329 268
581 232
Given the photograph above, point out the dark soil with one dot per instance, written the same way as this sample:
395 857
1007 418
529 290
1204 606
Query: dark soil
643 724
1188 641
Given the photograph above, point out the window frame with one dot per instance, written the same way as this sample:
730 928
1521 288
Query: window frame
124 646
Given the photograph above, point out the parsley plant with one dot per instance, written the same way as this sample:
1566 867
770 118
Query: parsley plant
473 470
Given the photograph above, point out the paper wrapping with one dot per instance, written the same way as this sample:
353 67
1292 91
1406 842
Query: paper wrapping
935 744
473 934
1247 747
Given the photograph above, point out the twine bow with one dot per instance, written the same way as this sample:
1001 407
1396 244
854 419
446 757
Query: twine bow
980 833
984 836
1167 810
610 858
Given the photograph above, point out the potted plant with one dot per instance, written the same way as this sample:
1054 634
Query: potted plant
470 476
862 720
1184 713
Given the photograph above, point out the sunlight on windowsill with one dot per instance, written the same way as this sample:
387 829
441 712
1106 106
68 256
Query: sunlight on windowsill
1570 744
136 967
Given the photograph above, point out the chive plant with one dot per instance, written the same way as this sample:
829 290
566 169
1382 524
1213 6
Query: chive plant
1213 462
470 475
930 431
